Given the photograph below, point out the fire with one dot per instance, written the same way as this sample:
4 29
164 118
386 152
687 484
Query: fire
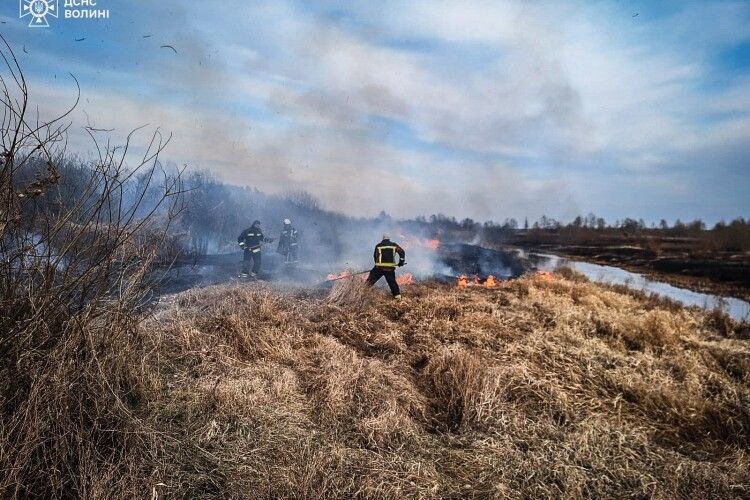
405 279
462 281
432 244
409 242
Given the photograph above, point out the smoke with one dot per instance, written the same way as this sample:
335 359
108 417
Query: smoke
329 242
215 213
306 104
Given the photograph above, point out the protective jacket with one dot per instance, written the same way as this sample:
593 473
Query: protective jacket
385 255
252 238
288 239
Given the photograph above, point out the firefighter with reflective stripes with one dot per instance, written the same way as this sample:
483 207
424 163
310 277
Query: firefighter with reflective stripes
288 243
386 262
250 240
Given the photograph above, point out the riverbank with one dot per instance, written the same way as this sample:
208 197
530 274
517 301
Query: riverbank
697 284
719 273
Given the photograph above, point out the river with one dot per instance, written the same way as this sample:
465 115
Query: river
738 309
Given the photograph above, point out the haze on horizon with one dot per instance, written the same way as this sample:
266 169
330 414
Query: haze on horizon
480 109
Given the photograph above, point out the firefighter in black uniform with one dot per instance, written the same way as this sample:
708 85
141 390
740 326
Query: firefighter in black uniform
250 241
288 243
386 263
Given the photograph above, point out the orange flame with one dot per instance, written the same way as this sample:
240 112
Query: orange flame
432 244
462 282
405 279
409 242
545 276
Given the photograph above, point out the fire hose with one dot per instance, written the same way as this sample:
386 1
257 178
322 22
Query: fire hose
346 276
341 277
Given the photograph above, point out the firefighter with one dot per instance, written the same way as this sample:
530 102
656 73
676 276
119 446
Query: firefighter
288 243
386 263
250 241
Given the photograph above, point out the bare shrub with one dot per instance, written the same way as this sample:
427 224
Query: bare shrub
73 270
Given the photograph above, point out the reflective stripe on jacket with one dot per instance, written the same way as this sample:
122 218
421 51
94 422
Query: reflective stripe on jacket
386 252
251 237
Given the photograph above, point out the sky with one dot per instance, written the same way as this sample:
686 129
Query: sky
474 108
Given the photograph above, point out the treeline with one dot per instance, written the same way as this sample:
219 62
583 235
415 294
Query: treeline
591 229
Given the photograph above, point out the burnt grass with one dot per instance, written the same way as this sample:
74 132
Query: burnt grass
544 387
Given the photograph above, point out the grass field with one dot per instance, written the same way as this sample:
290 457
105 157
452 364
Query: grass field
546 386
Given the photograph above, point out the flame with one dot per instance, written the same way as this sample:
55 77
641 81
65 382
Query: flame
405 279
462 282
409 242
432 244
545 276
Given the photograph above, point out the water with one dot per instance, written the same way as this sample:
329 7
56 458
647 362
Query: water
736 308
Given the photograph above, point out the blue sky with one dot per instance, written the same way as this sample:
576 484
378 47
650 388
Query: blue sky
472 108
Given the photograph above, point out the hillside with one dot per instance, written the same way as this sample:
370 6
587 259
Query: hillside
543 387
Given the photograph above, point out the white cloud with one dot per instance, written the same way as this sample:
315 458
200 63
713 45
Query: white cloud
510 103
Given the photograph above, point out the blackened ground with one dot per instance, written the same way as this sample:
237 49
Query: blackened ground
222 268
472 260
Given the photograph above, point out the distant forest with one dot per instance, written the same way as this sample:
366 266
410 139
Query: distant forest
731 236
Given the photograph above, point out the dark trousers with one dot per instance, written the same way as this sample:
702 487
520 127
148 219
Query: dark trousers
390 278
290 254
247 257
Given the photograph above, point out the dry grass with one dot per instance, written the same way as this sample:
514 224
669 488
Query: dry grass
540 388
545 387
350 291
